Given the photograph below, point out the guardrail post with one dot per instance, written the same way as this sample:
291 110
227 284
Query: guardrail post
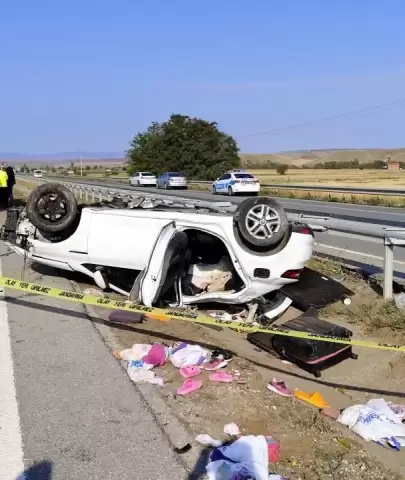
93 196
87 195
80 193
388 268
100 196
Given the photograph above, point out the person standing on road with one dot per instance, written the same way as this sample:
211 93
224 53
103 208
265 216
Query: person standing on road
10 183
3 188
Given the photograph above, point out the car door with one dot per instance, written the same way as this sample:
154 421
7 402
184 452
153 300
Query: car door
122 239
223 183
169 244
134 178
161 180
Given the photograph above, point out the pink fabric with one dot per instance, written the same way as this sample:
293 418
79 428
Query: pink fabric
156 355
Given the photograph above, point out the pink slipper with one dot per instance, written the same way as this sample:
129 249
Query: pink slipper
221 377
216 365
280 388
189 386
190 371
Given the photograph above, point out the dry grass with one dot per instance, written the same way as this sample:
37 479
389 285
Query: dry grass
344 177
368 309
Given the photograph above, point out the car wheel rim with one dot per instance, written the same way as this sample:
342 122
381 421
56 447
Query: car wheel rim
262 222
52 207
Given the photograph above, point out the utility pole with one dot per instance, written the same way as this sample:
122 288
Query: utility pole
81 166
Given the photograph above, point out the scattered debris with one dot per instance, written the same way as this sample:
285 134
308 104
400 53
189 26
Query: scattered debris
232 429
184 355
94 291
316 399
222 377
189 386
375 421
183 450
247 457
279 387
399 299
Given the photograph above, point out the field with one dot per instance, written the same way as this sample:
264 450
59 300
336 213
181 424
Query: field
343 177
311 157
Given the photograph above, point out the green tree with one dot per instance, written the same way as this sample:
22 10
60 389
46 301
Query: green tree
87 167
282 169
192 146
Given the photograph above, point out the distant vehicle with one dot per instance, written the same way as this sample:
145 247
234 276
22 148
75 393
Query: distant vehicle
143 179
171 180
237 181
37 173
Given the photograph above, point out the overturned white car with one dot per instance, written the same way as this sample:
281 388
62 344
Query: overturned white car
159 253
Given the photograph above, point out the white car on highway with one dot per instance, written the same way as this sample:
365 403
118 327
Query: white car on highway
143 179
236 181
160 253
37 173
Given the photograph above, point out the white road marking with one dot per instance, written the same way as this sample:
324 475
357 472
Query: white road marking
11 451
355 236
353 252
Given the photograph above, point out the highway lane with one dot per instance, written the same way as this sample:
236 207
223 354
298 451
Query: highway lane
394 217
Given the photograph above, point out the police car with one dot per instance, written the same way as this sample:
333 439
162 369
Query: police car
236 181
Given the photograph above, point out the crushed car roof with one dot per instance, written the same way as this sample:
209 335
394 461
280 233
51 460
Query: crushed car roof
141 202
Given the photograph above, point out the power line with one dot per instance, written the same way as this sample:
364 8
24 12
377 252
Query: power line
373 109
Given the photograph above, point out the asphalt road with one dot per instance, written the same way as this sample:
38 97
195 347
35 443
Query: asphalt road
68 410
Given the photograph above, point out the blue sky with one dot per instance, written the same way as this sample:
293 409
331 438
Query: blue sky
87 75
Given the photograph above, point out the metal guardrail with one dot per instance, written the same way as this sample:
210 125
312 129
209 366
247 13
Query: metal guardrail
391 237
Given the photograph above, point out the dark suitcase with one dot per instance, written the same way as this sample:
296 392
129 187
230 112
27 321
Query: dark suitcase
310 355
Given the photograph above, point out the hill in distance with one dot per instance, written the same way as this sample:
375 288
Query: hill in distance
296 158
299 158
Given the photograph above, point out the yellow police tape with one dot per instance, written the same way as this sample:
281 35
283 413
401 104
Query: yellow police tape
168 314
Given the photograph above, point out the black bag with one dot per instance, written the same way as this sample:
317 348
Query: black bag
310 355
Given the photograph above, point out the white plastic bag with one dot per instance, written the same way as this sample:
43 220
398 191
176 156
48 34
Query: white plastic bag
189 355
370 424
250 456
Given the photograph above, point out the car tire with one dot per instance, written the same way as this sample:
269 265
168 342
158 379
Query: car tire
214 190
166 187
53 199
254 226
230 191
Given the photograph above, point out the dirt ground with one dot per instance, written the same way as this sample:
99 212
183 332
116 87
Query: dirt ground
313 447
